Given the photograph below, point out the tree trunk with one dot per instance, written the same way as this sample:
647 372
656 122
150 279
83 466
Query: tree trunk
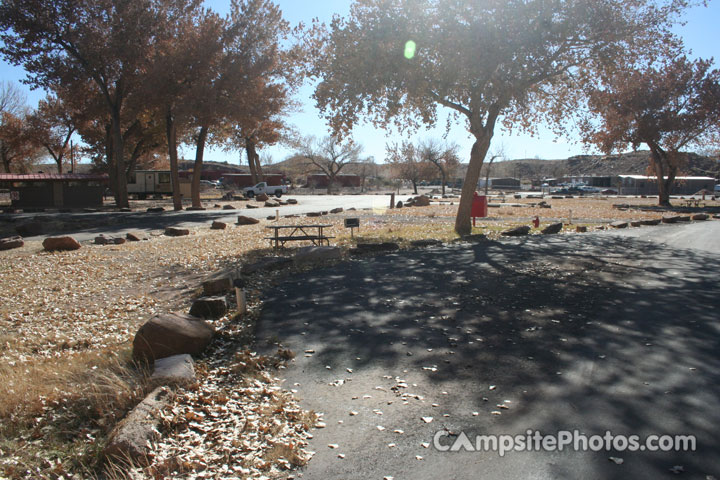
658 159
109 158
251 154
443 179
477 155
414 182
121 193
5 158
171 132
197 167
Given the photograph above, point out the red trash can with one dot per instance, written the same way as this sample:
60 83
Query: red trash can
479 207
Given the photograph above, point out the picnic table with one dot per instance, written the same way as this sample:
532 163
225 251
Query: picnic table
296 233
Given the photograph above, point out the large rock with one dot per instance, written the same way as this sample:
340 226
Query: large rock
635 223
399 204
155 210
209 307
216 225
337 210
102 240
517 231
552 228
266 264
317 254
175 370
425 242
313 214
262 197
30 229
135 236
673 219
374 247
700 216
243 220
421 201
291 201
132 437
272 204
228 207
60 243
619 224
171 334
250 205
217 286
684 218
581 229
11 242
653 221
176 232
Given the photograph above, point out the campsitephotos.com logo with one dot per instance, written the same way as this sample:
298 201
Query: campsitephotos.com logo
575 440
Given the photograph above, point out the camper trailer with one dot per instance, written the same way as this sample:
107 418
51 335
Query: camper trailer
155 182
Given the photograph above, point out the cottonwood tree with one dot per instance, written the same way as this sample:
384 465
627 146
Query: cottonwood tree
106 42
408 163
328 155
15 146
498 153
668 106
399 61
52 126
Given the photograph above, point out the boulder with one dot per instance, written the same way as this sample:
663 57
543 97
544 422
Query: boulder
217 286
475 237
155 210
131 438
243 220
30 229
517 231
250 205
317 254
176 232
399 204
171 334
337 210
209 307
175 370
60 243
635 223
101 240
291 201
374 247
619 224
195 209
270 217
654 221
272 204
228 207
700 216
118 240
135 236
581 229
218 225
684 218
262 197
425 242
421 201
266 264
674 219
552 228
11 242
313 214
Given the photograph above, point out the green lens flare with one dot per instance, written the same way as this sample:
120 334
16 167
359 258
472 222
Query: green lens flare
410 49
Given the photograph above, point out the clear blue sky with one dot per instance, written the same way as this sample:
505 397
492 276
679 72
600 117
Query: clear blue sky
700 34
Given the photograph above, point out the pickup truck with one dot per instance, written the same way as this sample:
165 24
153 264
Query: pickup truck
263 187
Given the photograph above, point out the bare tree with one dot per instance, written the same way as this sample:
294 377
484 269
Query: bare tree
443 156
329 155
499 152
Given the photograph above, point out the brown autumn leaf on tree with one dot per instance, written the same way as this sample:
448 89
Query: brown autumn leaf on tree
398 61
667 106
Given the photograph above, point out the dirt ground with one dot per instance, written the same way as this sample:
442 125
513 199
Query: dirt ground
65 312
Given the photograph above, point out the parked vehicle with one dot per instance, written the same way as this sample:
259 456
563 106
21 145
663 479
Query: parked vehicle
263 187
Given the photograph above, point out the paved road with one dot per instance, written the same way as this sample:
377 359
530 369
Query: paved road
85 226
609 331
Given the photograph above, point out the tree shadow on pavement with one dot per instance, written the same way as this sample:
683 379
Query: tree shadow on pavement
591 332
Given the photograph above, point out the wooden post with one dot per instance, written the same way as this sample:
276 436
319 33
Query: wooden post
241 301
392 200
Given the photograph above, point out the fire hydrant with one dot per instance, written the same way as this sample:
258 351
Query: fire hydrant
536 222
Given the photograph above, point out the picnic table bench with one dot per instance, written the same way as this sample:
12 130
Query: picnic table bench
297 233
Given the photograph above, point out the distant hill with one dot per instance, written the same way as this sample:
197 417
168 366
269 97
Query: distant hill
633 163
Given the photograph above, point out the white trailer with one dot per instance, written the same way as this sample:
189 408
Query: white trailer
155 182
